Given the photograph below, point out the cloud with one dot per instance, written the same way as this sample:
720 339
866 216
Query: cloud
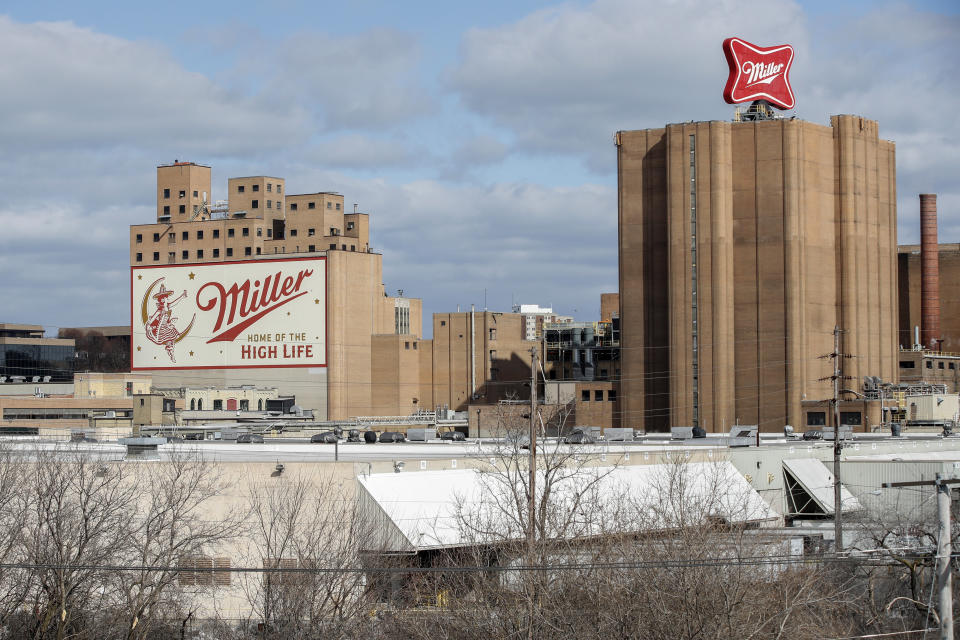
365 81
563 80
69 87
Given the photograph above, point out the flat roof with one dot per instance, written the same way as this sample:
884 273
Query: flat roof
183 164
316 193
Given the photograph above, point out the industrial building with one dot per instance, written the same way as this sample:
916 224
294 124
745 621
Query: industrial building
742 245
26 355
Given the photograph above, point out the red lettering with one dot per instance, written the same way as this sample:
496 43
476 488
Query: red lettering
240 299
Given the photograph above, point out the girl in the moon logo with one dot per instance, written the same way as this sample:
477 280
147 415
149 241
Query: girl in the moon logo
160 326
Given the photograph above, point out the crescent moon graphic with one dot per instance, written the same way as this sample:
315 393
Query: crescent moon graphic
187 330
146 296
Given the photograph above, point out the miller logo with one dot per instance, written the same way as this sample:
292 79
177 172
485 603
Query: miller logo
758 73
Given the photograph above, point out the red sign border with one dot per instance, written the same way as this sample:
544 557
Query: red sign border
326 319
736 72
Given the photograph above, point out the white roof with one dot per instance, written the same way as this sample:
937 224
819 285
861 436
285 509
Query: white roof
817 480
434 509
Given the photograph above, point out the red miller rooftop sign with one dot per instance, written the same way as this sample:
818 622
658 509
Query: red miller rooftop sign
758 73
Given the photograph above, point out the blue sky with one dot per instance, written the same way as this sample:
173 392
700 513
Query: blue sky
478 136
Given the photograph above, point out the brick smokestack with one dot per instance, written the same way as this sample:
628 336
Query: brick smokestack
930 270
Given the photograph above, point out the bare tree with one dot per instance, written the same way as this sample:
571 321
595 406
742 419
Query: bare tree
306 532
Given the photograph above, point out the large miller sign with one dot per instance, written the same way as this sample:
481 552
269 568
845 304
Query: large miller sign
260 313
758 73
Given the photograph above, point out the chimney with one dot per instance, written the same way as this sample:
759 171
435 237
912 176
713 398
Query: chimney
930 270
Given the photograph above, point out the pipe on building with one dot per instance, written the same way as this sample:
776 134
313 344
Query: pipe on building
473 356
930 272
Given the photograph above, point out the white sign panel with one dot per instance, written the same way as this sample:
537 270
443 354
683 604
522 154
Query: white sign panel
258 313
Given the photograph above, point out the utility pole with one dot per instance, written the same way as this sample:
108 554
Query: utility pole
531 518
837 376
944 549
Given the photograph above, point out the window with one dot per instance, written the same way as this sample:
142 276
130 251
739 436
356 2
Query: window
200 404
493 333
246 232
182 194
216 233
193 405
279 188
414 346
353 247
293 232
612 395
443 323
270 204
229 252
494 373
171 238
166 193
343 247
186 235
195 194
311 232
269 187
218 405
293 206
816 418
246 251
231 232
139 238
598 395
258 250
139 257
200 235
254 204
350 226
329 205
338 206
852 418
216 253
929 365
172 257
245 406
311 205
333 246
493 354
185 255
269 233
203 571
256 187
156 237
585 395
156 256
951 366
240 188
183 208
312 248
166 209
259 232
406 345
940 365
199 254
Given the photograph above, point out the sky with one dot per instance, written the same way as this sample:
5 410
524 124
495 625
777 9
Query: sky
478 136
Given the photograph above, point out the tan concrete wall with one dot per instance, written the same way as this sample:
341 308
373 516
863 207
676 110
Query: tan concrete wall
795 232
609 306
908 288
192 180
110 385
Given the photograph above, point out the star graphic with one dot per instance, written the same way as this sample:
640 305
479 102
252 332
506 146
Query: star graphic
288 313
316 301
138 348
139 276
191 274
191 353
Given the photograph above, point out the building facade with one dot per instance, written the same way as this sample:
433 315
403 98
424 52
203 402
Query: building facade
259 222
742 246
27 356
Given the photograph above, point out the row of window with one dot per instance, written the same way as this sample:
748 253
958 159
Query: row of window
183 194
819 418
247 251
59 413
312 205
231 233
241 188
597 395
